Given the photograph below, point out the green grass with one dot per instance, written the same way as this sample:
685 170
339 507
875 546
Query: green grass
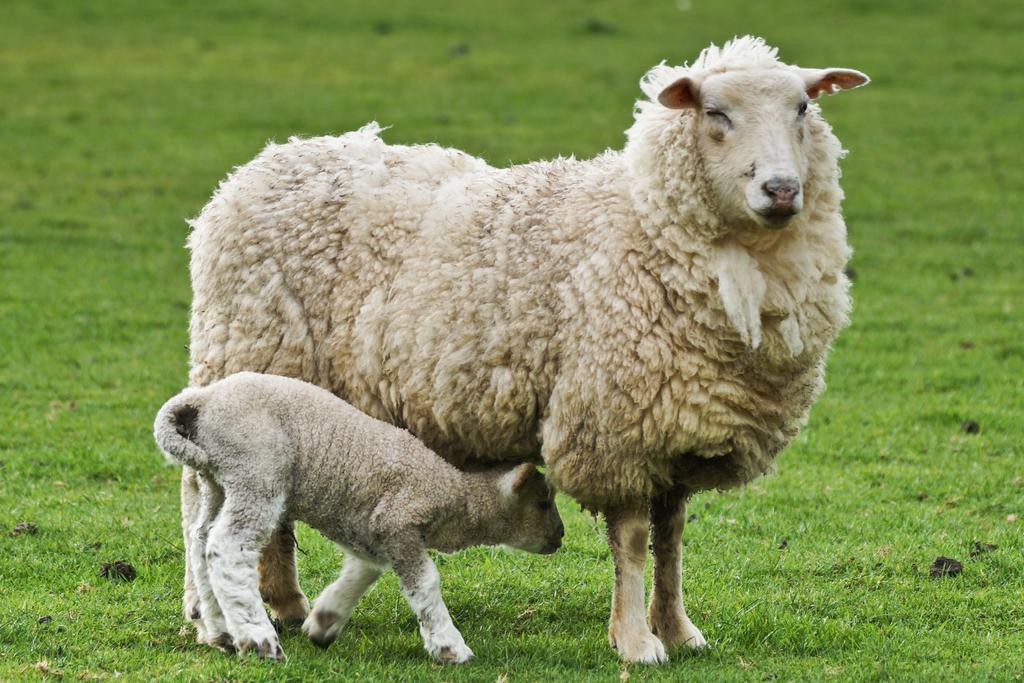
117 120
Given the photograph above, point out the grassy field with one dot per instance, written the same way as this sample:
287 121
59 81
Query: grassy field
117 120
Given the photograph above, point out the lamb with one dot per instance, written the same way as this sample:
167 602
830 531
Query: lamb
268 449
648 323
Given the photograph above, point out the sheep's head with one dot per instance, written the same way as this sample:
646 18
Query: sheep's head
750 119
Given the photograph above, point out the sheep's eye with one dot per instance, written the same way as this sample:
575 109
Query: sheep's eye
544 505
719 116
802 109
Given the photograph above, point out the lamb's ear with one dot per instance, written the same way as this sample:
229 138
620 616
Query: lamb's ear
681 94
514 481
828 81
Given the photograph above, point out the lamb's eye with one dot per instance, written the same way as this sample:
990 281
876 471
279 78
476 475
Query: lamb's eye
544 505
802 109
719 117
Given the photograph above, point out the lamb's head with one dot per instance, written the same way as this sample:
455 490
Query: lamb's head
528 512
751 124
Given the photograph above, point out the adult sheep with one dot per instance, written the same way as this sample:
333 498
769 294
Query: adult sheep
648 323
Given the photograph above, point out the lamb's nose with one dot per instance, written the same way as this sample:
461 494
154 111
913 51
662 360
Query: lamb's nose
782 190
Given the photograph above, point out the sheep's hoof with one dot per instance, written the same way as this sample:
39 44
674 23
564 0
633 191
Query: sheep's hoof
292 612
642 647
678 631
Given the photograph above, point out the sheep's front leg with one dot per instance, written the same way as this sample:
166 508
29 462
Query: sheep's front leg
667 614
232 552
279 577
421 586
334 606
627 630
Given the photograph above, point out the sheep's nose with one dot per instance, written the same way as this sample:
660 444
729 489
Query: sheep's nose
561 531
781 190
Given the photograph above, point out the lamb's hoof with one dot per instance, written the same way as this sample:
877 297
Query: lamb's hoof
679 632
223 642
641 647
453 654
266 648
321 628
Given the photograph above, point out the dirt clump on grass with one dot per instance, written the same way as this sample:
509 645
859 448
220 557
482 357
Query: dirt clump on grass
945 566
24 528
117 571
979 548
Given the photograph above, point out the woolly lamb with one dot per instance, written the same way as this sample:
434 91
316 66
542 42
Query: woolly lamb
648 323
269 449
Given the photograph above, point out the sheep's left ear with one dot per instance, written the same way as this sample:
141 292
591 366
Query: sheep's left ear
681 94
817 81
516 479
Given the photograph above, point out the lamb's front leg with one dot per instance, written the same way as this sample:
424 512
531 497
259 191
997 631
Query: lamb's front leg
334 605
421 586
627 630
667 613
232 552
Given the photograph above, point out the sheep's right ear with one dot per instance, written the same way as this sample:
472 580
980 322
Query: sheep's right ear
681 94
828 81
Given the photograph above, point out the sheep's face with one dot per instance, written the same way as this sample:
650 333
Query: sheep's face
529 511
752 133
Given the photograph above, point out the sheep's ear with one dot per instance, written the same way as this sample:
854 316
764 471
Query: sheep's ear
681 94
828 81
513 482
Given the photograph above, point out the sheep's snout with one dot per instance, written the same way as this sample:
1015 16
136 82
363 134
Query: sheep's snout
779 200
782 191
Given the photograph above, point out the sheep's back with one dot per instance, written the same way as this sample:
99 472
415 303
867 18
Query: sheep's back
415 282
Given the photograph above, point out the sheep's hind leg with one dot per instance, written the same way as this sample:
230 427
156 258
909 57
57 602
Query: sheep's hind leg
232 552
667 614
421 586
334 605
627 629
279 577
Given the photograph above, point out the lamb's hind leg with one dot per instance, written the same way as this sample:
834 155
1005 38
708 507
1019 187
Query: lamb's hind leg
627 630
191 503
232 552
210 626
334 605
279 577
667 614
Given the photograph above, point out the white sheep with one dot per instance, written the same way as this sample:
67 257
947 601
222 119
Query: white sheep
648 323
269 449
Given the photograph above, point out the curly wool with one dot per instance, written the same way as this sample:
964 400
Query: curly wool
599 315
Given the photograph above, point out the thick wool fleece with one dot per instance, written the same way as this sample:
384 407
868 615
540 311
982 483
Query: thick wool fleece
598 314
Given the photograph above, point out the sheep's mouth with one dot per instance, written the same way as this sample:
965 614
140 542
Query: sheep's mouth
776 217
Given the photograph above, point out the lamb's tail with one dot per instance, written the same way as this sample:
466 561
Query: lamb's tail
176 429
